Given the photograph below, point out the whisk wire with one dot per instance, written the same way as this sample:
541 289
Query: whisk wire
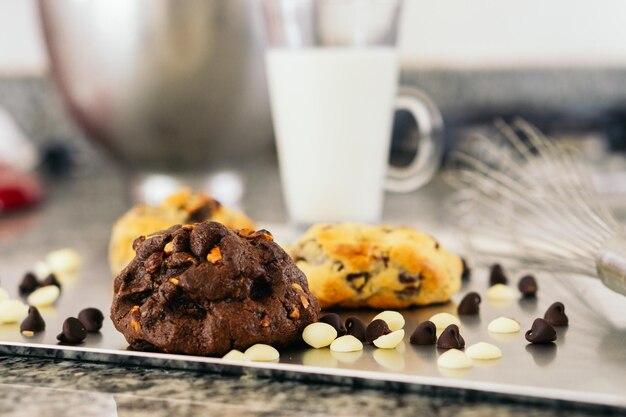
534 196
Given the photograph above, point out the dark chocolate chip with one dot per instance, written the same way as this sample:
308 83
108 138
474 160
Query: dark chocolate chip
451 338
357 275
406 278
497 275
528 286
541 332
408 292
467 272
470 304
74 331
29 284
555 315
51 280
205 236
33 322
91 318
334 320
376 329
356 328
358 279
424 334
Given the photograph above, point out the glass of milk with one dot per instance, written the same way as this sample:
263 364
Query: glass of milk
332 68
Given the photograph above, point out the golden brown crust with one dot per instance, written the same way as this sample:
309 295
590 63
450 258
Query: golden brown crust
354 265
182 207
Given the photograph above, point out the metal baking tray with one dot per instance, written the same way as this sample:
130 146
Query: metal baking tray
587 364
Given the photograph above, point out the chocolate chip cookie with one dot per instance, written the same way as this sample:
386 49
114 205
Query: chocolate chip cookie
182 207
356 265
205 289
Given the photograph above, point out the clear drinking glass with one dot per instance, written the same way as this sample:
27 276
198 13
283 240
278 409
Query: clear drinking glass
332 68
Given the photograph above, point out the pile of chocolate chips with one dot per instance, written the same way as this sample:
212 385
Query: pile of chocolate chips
542 330
30 283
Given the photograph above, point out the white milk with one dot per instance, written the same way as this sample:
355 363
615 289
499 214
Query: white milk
332 111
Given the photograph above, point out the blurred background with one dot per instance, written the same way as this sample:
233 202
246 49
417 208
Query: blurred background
561 65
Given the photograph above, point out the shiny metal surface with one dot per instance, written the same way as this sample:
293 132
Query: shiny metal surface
534 196
164 84
587 364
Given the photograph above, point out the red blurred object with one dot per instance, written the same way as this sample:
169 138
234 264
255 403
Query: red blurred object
18 189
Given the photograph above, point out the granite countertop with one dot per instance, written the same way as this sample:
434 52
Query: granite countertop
34 387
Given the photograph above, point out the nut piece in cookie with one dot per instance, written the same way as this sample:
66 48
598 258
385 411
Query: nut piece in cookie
182 207
215 290
384 267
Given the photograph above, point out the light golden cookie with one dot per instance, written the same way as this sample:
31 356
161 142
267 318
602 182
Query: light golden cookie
182 207
355 265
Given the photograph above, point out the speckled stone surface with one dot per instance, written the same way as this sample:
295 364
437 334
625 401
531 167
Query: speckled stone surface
37 387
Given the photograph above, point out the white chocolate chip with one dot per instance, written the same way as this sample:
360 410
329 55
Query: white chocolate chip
4 295
319 335
63 261
443 320
41 270
262 353
235 355
483 351
12 311
501 292
454 359
394 320
44 296
390 340
28 333
503 325
347 343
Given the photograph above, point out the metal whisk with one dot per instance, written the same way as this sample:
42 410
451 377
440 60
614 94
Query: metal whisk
530 199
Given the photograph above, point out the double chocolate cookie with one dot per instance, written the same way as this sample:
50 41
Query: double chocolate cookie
205 289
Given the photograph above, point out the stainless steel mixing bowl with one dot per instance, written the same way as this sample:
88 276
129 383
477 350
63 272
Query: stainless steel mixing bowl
164 84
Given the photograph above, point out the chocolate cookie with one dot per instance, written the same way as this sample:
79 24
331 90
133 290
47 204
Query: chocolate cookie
205 289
